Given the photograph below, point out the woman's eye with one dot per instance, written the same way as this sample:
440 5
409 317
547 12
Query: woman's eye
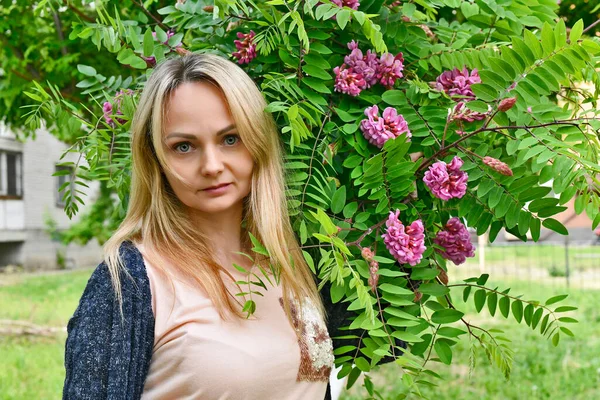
235 138
183 147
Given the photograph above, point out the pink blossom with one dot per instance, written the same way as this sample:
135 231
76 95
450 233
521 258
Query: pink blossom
462 113
367 65
378 130
406 245
353 4
447 181
107 110
348 81
390 69
246 48
150 61
457 84
108 107
456 241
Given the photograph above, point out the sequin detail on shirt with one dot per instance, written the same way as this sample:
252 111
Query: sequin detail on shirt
316 348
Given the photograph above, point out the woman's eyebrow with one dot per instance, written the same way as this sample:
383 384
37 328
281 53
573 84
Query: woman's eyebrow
193 137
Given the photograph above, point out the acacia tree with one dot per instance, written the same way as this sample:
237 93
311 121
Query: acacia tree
403 129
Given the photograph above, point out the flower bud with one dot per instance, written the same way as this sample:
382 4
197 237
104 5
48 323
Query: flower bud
182 52
418 296
443 277
497 165
373 275
367 254
507 104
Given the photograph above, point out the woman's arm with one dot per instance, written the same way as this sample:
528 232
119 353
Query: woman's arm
107 357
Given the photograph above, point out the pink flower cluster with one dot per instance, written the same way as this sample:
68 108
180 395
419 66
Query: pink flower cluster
353 4
246 48
107 108
405 244
447 181
457 83
378 130
456 241
359 71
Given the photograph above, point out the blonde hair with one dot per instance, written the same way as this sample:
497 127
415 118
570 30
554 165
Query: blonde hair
156 216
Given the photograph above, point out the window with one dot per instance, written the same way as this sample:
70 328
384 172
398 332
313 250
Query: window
11 174
60 181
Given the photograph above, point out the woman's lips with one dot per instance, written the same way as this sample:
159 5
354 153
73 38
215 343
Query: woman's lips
218 190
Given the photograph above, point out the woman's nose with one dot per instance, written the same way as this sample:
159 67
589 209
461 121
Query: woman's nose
211 162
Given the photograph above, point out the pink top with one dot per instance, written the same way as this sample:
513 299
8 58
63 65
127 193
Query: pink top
197 355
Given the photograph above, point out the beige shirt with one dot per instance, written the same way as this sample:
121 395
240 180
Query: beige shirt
197 355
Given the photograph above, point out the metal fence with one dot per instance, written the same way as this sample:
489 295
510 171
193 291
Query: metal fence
558 263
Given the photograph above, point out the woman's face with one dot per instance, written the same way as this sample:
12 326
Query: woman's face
202 145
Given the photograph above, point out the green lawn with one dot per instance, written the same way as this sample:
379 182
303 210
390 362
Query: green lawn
33 367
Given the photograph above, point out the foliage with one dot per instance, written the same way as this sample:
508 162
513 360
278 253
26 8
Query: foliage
508 129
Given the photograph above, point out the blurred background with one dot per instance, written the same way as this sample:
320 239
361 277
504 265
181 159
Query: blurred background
46 258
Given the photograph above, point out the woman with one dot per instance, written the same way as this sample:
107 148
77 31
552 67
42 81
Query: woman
161 317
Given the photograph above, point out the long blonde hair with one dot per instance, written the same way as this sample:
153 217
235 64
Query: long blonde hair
156 216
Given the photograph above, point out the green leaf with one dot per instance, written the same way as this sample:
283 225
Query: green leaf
394 289
317 72
317 85
446 316
555 339
407 337
362 364
424 274
536 317
449 331
443 350
86 70
434 289
350 209
556 299
517 310
479 298
544 324
555 225
484 92
148 43
548 42
394 97
342 18
565 309
576 32
567 331
492 300
338 201
504 305
466 293
528 314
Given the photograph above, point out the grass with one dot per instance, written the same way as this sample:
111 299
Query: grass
33 367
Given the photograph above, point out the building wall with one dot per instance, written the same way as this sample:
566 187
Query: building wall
23 222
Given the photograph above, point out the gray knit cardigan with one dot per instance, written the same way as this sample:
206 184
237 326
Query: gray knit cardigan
106 358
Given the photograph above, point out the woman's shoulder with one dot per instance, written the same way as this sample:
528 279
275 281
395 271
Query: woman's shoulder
132 275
